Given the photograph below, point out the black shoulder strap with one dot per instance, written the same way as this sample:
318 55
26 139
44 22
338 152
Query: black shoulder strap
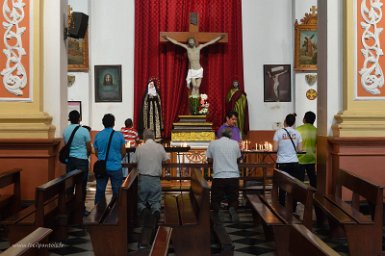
109 143
292 142
72 135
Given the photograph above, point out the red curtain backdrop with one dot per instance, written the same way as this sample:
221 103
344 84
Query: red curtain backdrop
222 63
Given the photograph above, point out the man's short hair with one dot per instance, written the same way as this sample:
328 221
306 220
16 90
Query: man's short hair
108 121
227 132
148 134
74 117
309 117
232 113
128 122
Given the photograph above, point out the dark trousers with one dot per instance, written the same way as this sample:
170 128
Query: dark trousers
310 171
294 170
80 164
224 187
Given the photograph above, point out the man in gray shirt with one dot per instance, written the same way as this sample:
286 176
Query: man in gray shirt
149 158
225 154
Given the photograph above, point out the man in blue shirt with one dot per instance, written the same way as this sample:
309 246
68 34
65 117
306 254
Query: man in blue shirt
231 121
114 161
80 150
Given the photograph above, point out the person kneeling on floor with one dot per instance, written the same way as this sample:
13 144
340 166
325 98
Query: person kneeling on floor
149 158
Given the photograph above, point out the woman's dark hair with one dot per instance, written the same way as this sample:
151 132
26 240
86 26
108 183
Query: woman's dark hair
74 117
290 119
108 121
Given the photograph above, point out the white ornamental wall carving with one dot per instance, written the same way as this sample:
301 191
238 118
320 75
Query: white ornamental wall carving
14 73
372 77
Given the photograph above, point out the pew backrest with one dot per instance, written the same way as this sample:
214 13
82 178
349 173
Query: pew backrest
10 202
296 190
361 189
32 244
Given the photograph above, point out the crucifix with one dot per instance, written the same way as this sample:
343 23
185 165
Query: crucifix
189 40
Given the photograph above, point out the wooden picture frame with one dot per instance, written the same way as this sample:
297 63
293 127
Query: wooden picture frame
306 42
306 45
108 83
78 54
75 105
277 83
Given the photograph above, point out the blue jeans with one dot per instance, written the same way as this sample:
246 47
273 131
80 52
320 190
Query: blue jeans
80 164
116 178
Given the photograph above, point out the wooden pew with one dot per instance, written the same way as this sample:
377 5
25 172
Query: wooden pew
275 217
161 241
32 244
56 202
10 202
109 224
254 177
363 232
188 213
304 242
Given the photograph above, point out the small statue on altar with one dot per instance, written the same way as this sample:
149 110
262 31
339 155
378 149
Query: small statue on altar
151 112
236 100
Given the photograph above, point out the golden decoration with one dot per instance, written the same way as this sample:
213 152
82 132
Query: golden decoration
192 136
196 156
311 94
311 79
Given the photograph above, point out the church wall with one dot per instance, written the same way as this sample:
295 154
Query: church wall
81 90
267 39
302 103
111 42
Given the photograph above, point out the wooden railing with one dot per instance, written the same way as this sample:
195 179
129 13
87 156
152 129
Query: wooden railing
252 175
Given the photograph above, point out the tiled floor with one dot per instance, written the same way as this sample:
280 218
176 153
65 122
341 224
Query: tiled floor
247 238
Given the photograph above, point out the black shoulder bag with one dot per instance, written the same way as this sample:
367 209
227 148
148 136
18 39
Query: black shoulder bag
64 152
100 169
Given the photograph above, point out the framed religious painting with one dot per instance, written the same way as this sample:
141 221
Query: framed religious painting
306 42
75 105
108 83
277 83
78 54
77 49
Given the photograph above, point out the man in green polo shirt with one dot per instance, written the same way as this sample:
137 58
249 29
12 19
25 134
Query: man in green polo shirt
309 143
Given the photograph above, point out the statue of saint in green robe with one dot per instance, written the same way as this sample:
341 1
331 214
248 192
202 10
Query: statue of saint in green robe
236 101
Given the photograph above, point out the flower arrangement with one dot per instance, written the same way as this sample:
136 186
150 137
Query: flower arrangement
204 107
199 104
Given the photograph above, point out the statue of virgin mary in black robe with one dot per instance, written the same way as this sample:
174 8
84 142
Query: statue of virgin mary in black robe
151 113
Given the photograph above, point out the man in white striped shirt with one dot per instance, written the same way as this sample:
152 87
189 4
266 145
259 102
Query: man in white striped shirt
225 154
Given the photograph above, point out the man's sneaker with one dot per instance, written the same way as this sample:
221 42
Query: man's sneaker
234 215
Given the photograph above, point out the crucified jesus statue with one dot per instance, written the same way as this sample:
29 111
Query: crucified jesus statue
275 79
195 72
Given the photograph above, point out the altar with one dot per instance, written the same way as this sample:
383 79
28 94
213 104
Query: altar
193 131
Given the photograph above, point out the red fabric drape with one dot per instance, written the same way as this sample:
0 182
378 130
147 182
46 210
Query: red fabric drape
222 63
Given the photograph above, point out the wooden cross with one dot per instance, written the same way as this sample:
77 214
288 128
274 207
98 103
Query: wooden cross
200 37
